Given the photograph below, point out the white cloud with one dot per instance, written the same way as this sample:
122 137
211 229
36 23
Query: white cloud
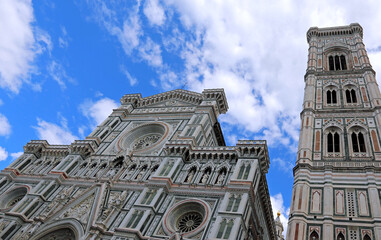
5 127
257 51
63 40
16 155
58 73
278 205
3 154
151 52
169 80
154 12
130 33
285 165
54 133
19 43
97 111
130 78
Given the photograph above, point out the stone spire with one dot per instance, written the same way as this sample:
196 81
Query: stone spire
279 227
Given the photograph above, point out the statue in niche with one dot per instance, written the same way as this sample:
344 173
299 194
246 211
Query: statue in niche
190 175
141 173
111 173
221 177
2 225
205 176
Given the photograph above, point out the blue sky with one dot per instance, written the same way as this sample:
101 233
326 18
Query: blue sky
65 64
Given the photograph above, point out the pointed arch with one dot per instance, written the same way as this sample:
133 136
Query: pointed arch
340 236
314 236
70 225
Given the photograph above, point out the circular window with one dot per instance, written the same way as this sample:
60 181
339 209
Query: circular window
187 217
147 136
14 201
146 141
12 197
189 222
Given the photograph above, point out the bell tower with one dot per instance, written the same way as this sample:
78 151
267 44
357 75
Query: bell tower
337 177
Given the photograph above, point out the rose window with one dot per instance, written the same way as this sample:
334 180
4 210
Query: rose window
146 137
146 141
14 201
189 217
189 221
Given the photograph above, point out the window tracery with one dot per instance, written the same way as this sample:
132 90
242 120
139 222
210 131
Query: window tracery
233 204
350 96
244 171
331 97
337 62
358 141
333 142
226 226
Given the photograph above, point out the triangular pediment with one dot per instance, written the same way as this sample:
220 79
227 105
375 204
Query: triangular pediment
177 97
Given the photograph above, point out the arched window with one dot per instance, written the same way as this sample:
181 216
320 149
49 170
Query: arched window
331 97
331 63
337 63
135 218
340 236
333 142
314 236
65 233
366 237
244 171
343 62
225 229
233 203
350 96
358 142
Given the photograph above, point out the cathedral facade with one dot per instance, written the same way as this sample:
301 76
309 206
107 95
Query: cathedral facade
337 177
156 168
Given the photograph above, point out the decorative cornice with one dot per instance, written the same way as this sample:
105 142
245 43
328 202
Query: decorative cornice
35 147
193 98
334 31
83 147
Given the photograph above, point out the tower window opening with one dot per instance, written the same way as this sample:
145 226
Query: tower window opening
337 63
331 97
351 96
343 62
358 142
333 140
331 64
